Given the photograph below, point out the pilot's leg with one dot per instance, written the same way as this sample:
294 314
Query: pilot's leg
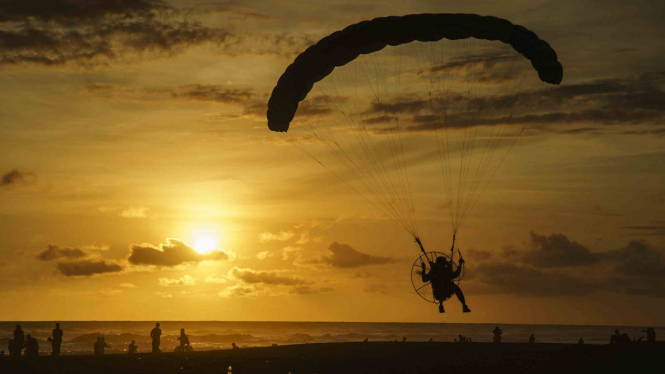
460 297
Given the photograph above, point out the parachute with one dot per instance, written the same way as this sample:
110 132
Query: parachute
387 103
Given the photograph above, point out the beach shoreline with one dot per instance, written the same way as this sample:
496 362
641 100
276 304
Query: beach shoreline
370 357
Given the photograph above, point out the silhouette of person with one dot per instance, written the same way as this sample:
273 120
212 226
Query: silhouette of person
184 341
497 335
156 334
56 342
102 345
19 337
581 341
31 346
13 348
404 339
234 346
366 340
651 334
441 276
132 348
532 339
616 338
97 347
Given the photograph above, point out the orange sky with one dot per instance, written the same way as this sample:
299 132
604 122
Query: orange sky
122 150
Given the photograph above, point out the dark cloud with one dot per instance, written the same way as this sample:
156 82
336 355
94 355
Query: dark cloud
174 252
53 252
494 67
344 256
266 277
92 33
593 106
212 92
510 278
556 250
402 105
74 10
86 268
192 92
656 228
555 265
13 177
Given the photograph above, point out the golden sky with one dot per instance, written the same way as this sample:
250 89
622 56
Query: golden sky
139 180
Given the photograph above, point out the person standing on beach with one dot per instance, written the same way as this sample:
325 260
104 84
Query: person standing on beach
532 339
184 341
497 334
19 337
651 335
97 347
155 334
57 340
102 345
581 341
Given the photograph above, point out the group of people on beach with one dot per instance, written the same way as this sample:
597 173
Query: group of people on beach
619 338
22 341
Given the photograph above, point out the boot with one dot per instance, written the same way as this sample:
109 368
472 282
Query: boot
441 308
466 309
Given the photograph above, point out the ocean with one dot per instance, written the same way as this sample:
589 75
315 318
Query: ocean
79 336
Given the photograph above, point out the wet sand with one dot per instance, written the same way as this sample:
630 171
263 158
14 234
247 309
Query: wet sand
379 357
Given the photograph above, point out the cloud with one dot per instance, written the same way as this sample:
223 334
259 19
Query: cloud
264 255
174 252
53 252
555 265
74 10
183 281
289 250
303 238
344 256
13 177
655 228
307 290
241 290
59 32
522 280
377 288
591 107
215 280
86 268
165 295
97 33
128 285
281 236
134 212
556 250
212 92
265 277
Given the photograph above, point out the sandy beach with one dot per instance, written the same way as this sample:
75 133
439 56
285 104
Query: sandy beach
377 357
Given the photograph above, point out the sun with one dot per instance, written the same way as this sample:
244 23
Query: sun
205 244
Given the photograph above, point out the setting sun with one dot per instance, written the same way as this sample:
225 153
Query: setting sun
205 244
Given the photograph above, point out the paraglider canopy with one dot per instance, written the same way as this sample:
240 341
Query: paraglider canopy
366 37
